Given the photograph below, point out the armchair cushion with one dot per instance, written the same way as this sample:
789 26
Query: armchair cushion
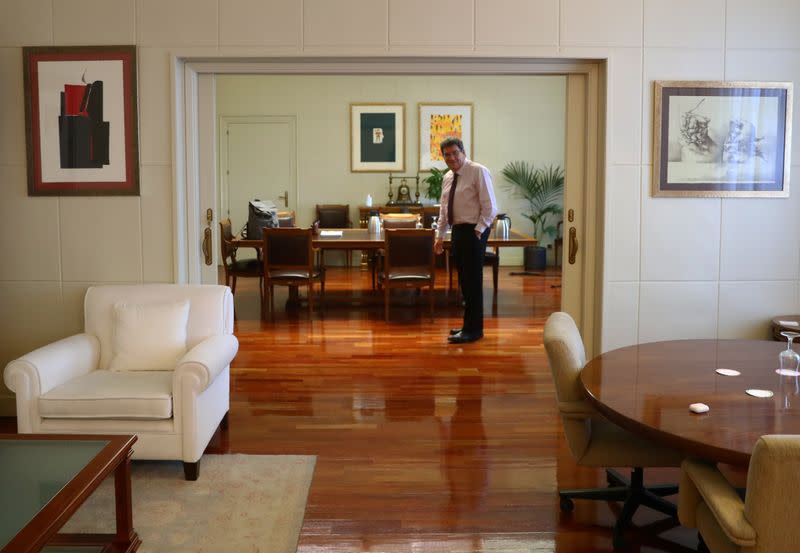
111 395
150 336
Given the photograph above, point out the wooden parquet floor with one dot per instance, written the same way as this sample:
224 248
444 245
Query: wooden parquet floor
421 446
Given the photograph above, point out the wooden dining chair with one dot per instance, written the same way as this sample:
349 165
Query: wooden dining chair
288 255
234 268
408 263
333 216
390 221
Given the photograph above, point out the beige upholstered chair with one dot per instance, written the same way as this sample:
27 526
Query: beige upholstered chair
766 521
596 442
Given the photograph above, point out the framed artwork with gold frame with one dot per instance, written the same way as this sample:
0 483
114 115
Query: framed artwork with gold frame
722 139
377 138
437 122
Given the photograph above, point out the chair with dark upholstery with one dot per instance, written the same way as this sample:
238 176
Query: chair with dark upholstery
234 268
594 441
765 521
408 263
288 256
390 221
333 216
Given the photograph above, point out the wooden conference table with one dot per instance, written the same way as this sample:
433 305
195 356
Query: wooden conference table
648 388
361 239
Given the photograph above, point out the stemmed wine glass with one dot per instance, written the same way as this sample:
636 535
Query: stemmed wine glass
789 371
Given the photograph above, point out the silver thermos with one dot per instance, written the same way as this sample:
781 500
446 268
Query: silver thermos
374 224
502 227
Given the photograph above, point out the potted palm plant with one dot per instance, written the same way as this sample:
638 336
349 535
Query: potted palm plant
542 189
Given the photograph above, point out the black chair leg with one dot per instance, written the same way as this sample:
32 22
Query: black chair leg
191 471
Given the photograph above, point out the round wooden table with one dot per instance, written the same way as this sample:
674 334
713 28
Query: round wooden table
648 388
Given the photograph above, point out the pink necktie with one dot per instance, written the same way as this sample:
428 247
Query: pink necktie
450 199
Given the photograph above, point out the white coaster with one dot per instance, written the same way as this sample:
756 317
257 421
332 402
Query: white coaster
787 372
728 372
759 393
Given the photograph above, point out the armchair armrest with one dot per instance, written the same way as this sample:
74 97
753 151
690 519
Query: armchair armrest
702 482
43 369
206 360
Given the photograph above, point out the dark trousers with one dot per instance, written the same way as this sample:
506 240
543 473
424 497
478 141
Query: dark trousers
468 252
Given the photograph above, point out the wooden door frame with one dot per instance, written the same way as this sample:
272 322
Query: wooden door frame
191 113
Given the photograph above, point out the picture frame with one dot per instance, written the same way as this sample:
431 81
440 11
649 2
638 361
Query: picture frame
81 123
717 139
438 121
377 137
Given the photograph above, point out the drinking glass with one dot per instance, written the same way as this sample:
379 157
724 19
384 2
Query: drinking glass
789 373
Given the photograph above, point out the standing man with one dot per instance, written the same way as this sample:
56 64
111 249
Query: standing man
468 207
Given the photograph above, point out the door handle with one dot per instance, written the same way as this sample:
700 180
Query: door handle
285 198
573 244
207 237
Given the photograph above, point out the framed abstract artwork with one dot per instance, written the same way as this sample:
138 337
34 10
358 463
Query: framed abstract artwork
377 137
81 120
437 122
722 139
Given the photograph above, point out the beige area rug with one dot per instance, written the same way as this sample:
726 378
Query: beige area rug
241 503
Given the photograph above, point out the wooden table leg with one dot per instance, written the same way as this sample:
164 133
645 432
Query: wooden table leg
126 538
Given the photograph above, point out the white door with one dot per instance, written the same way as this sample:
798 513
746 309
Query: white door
257 160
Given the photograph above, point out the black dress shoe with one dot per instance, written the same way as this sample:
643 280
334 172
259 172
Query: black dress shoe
465 337
454 331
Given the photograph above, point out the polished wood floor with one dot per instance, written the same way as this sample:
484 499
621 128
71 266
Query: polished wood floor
421 446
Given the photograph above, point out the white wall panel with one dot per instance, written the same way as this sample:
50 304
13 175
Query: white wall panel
259 22
101 239
680 237
345 23
677 310
608 23
31 244
32 317
620 315
516 22
157 224
623 198
176 22
420 23
684 23
746 309
625 105
763 24
26 23
12 108
668 64
155 110
760 239
770 65
75 22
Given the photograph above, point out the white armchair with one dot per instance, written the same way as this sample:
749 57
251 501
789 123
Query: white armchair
69 387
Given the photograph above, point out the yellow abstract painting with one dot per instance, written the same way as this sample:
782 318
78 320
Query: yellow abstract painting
443 126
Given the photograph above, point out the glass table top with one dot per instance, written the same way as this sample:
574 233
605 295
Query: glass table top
32 472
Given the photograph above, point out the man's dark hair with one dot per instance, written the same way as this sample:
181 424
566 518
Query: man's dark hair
451 141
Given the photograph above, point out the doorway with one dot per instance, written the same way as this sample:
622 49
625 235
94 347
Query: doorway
584 144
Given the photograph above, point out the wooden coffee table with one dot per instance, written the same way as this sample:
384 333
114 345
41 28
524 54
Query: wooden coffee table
45 478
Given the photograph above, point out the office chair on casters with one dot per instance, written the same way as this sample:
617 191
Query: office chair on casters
594 441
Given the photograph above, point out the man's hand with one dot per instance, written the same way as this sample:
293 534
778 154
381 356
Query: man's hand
438 246
478 233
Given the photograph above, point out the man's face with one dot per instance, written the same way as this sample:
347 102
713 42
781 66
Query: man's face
453 157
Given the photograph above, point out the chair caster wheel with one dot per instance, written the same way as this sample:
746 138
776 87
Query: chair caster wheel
567 505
